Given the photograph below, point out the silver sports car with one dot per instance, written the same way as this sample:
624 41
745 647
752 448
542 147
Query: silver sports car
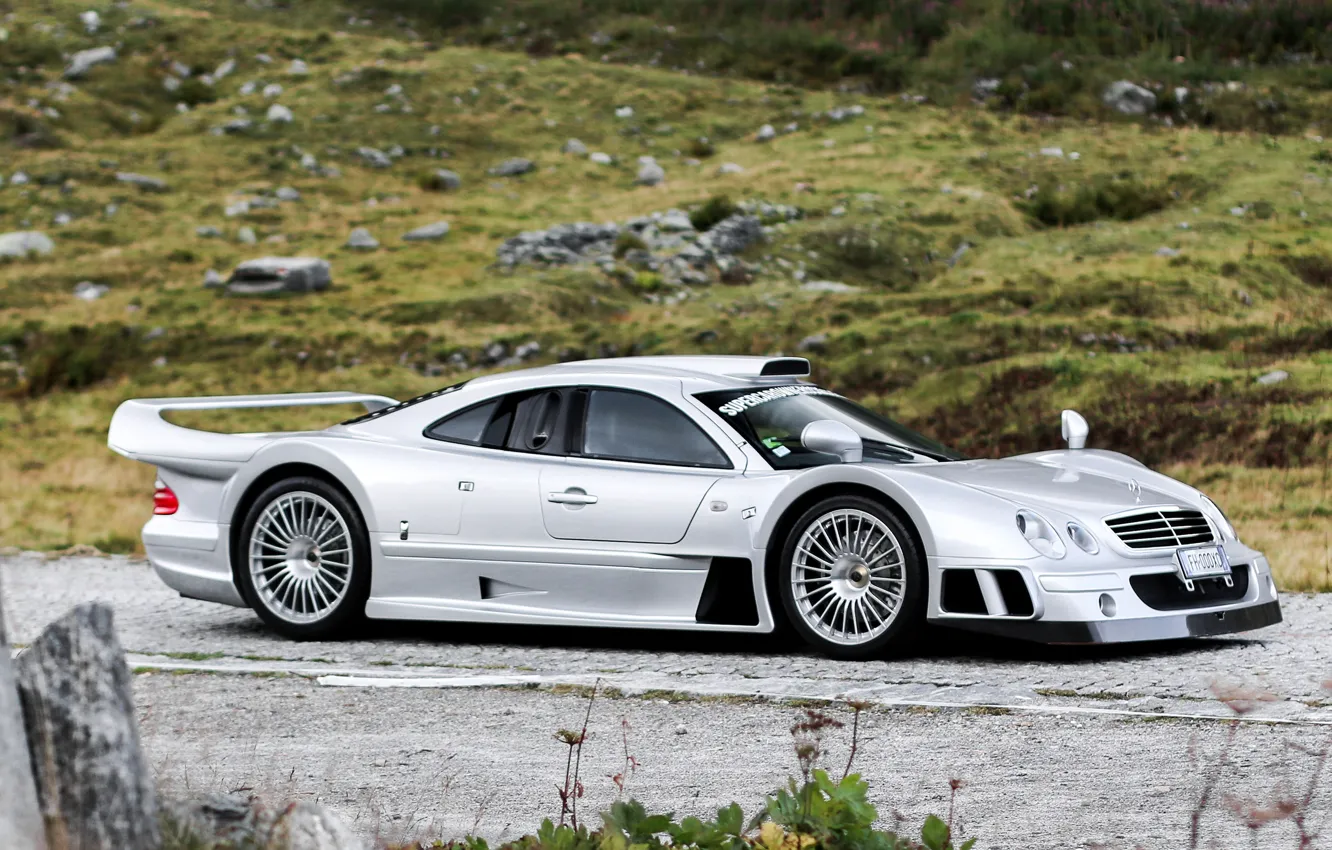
707 493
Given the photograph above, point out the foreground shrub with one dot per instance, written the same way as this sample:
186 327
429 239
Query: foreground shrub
1060 202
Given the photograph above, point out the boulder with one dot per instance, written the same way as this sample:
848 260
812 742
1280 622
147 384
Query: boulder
649 172
729 168
224 69
83 61
827 286
20 819
143 181
272 90
513 167
24 242
1128 98
1273 378
765 134
428 233
298 68
286 193
675 221
246 236
270 275
228 820
600 158
94 783
444 180
361 240
733 234
374 158
279 114
86 290
212 280
207 231
574 147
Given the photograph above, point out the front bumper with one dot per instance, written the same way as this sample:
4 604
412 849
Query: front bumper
1168 627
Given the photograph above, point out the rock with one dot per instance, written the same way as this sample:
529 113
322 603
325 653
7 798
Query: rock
827 286
765 134
958 254
224 69
235 127
279 114
19 178
298 68
61 219
624 112
1164 251
143 181
428 233
361 239
83 61
985 87
1272 378
20 819
1058 153
171 83
272 90
288 194
1128 98
241 207
733 234
269 275
444 180
791 128
212 279
574 147
91 775
650 173
207 231
246 236
25 242
374 158
729 168
513 167
600 158
222 820
816 343
90 20
680 730
675 221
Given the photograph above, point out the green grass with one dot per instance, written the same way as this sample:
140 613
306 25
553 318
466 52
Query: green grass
1061 300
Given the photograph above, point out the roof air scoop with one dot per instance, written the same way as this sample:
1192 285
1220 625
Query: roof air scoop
785 367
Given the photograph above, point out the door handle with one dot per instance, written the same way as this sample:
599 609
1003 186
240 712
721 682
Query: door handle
572 497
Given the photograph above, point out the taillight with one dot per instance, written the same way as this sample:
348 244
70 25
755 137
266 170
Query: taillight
164 501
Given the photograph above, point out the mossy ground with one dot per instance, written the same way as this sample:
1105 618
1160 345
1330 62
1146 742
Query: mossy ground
1162 352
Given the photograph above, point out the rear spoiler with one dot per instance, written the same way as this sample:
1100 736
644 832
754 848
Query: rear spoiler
139 432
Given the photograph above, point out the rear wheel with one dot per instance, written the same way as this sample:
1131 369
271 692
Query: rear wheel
852 581
304 563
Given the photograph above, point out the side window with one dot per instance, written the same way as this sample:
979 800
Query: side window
623 425
537 423
466 426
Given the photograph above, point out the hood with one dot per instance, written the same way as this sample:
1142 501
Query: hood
1072 491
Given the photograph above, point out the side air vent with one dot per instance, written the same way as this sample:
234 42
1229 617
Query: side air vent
785 366
1161 529
728 594
961 593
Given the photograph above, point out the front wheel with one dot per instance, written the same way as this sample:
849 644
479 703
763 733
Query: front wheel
304 563
852 581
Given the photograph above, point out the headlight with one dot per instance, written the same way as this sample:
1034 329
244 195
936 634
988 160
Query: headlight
1040 534
1084 539
1220 517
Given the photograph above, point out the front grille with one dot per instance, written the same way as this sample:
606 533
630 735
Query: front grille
1162 529
1165 591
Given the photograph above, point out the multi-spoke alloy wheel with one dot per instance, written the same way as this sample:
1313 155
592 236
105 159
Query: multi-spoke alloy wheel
851 576
300 557
305 565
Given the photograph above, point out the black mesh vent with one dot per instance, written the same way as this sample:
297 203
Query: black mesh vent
1166 591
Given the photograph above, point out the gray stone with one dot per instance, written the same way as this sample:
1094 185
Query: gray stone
230 820
675 221
212 279
1128 98
235 127
286 193
374 158
361 239
446 180
428 233
513 167
1165 251
958 254
143 181
24 242
624 112
298 68
827 286
279 114
765 134
86 290
246 236
574 147
650 173
733 234
19 178
271 275
600 158
20 819
1274 377
90 20
985 87
240 207
272 90
94 783
224 69
729 168
83 61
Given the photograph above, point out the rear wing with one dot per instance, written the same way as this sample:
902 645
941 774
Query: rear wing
139 432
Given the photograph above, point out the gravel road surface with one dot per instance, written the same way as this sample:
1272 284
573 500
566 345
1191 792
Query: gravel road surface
438 730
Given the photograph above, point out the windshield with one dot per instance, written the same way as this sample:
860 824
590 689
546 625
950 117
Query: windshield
772 420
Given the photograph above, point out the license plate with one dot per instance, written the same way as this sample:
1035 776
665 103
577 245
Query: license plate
1202 562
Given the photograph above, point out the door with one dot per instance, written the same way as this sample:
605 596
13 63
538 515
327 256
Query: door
637 472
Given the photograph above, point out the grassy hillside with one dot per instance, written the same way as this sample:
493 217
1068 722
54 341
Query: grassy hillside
1145 274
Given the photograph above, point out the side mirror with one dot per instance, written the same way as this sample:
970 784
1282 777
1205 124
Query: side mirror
1074 428
828 436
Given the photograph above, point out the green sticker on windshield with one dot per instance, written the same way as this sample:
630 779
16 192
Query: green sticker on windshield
772 442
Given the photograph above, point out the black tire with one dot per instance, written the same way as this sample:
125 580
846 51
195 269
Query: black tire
313 619
905 622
